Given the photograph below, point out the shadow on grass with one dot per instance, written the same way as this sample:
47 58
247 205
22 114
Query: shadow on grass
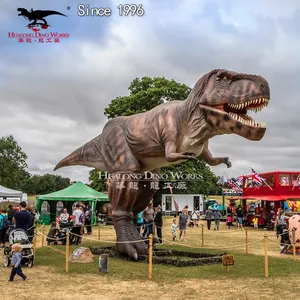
246 266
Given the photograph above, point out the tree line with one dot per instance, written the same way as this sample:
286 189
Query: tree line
14 174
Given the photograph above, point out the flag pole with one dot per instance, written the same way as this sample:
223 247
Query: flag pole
175 202
233 182
296 181
264 180
267 184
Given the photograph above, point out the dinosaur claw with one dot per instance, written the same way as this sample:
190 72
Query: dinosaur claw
227 162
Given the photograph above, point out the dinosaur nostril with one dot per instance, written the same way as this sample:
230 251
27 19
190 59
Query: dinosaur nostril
262 87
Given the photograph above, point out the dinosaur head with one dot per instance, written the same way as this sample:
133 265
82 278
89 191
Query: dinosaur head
226 97
22 11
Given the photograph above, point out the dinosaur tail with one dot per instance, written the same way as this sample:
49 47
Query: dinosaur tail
51 12
87 155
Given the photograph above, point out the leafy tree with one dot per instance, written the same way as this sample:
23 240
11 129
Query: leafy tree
48 183
145 94
13 164
96 183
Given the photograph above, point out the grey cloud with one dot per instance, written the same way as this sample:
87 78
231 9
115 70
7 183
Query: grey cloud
54 104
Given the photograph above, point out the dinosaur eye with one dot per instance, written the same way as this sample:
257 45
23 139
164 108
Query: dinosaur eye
224 78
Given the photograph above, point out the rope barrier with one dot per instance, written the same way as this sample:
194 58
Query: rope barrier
190 246
88 238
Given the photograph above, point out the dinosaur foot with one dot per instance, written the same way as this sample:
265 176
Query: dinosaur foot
227 162
129 242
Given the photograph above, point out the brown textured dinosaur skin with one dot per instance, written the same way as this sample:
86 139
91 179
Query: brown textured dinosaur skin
170 134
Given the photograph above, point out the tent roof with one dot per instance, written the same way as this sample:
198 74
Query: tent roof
5 192
76 192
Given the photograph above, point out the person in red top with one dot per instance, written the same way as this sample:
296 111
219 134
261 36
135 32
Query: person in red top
229 220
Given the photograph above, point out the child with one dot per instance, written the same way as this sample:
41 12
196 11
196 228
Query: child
174 228
229 220
16 262
255 222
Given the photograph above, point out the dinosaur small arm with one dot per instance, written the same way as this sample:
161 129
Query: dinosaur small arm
168 134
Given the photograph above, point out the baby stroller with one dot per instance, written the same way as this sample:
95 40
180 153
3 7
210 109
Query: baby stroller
19 236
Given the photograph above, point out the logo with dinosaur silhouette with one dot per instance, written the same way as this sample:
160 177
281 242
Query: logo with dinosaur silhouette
38 26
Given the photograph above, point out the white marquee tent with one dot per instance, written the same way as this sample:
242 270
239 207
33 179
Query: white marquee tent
11 195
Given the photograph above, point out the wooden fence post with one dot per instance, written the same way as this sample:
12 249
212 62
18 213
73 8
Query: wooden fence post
34 242
43 236
266 255
67 251
294 246
246 233
98 231
202 234
150 256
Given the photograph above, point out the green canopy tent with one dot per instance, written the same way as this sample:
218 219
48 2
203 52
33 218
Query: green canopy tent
78 192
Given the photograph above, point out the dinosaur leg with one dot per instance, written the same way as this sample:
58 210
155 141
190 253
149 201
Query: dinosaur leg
214 161
145 193
45 22
123 197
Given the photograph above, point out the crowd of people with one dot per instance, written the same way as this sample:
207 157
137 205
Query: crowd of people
76 223
148 220
22 217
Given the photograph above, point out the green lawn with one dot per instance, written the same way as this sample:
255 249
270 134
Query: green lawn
246 266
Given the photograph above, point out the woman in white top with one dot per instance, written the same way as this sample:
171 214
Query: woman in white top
195 217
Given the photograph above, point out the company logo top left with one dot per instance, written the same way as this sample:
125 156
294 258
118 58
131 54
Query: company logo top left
38 23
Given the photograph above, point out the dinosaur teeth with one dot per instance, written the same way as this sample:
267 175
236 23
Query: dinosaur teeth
247 120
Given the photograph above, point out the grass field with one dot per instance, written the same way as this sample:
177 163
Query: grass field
128 280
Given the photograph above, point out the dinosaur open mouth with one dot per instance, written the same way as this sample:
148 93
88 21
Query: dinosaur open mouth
239 111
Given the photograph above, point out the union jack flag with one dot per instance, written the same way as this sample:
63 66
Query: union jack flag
256 179
232 185
239 180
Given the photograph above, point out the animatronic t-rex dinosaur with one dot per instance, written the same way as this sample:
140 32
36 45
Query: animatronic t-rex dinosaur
170 133
37 15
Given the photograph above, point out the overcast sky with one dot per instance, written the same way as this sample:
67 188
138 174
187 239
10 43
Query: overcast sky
52 96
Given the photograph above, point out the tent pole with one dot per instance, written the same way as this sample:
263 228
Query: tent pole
93 207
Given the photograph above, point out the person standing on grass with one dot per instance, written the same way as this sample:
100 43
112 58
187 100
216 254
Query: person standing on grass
11 214
217 217
173 229
88 219
30 230
148 216
183 219
208 216
240 215
255 222
16 262
229 220
22 218
158 223
78 224
195 217
3 227
140 222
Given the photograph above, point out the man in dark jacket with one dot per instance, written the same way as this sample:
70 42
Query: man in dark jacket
22 218
158 220
208 216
